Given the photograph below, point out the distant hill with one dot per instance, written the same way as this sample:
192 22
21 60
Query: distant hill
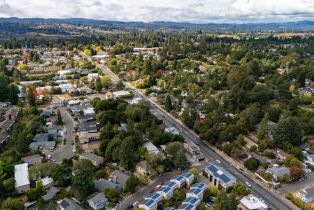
15 25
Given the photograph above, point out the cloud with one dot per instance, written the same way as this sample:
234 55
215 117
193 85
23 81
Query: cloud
199 11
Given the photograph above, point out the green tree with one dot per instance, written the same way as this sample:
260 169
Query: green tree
12 204
232 201
221 202
112 195
82 181
168 103
252 164
59 121
13 92
35 193
288 133
105 81
31 98
62 174
4 82
98 85
131 184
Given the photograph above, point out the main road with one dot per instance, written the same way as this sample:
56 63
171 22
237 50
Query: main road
272 199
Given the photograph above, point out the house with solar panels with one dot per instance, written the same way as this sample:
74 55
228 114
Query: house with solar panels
183 179
167 189
190 203
151 202
218 176
197 191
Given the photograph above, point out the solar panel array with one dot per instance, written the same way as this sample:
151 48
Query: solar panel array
220 174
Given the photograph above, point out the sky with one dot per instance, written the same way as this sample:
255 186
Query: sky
195 11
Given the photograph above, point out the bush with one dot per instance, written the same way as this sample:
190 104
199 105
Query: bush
252 164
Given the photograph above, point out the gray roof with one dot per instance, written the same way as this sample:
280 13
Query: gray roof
52 192
41 137
103 184
119 177
69 204
308 191
97 198
144 165
278 171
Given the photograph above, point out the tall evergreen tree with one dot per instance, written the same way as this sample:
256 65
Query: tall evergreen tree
168 103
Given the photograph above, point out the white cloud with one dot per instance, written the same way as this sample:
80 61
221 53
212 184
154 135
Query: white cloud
163 10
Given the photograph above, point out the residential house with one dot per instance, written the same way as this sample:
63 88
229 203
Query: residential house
51 193
119 177
306 194
148 204
47 182
197 190
143 168
167 189
97 200
282 155
22 183
102 184
278 171
95 159
92 76
33 159
68 204
35 146
219 176
41 137
151 148
172 130
192 200
251 202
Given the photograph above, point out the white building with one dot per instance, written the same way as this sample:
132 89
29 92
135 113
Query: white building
148 204
172 130
92 76
65 87
306 194
251 202
22 183
197 190
151 148
219 176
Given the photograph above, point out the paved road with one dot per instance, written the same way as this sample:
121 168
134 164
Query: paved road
145 191
65 151
272 199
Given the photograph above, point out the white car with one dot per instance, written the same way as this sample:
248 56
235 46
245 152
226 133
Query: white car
248 184
218 161
135 203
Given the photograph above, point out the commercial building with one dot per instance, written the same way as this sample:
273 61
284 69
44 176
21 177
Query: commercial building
251 202
22 183
219 176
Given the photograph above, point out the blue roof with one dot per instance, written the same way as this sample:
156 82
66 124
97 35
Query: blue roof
188 175
171 184
149 202
180 178
169 208
186 206
221 174
196 191
191 200
199 185
155 196
165 189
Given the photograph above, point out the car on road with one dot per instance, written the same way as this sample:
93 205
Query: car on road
248 184
135 203
64 141
218 161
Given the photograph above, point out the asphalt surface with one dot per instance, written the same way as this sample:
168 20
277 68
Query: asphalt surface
65 151
273 200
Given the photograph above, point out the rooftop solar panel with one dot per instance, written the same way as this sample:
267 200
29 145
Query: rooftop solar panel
221 174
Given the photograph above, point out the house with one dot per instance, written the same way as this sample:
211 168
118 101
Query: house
92 76
32 159
306 194
151 148
68 204
189 178
167 189
86 137
142 168
41 137
121 94
102 184
97 200
95 159
53 131
197 190
148 204
278 171
172 130
219 176
251 202
35 146
47 182
179 180
22 183
192 200
65 87
187 206
51 193
119 177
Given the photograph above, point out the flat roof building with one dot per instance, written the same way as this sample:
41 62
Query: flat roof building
219 176
251 202
22 183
